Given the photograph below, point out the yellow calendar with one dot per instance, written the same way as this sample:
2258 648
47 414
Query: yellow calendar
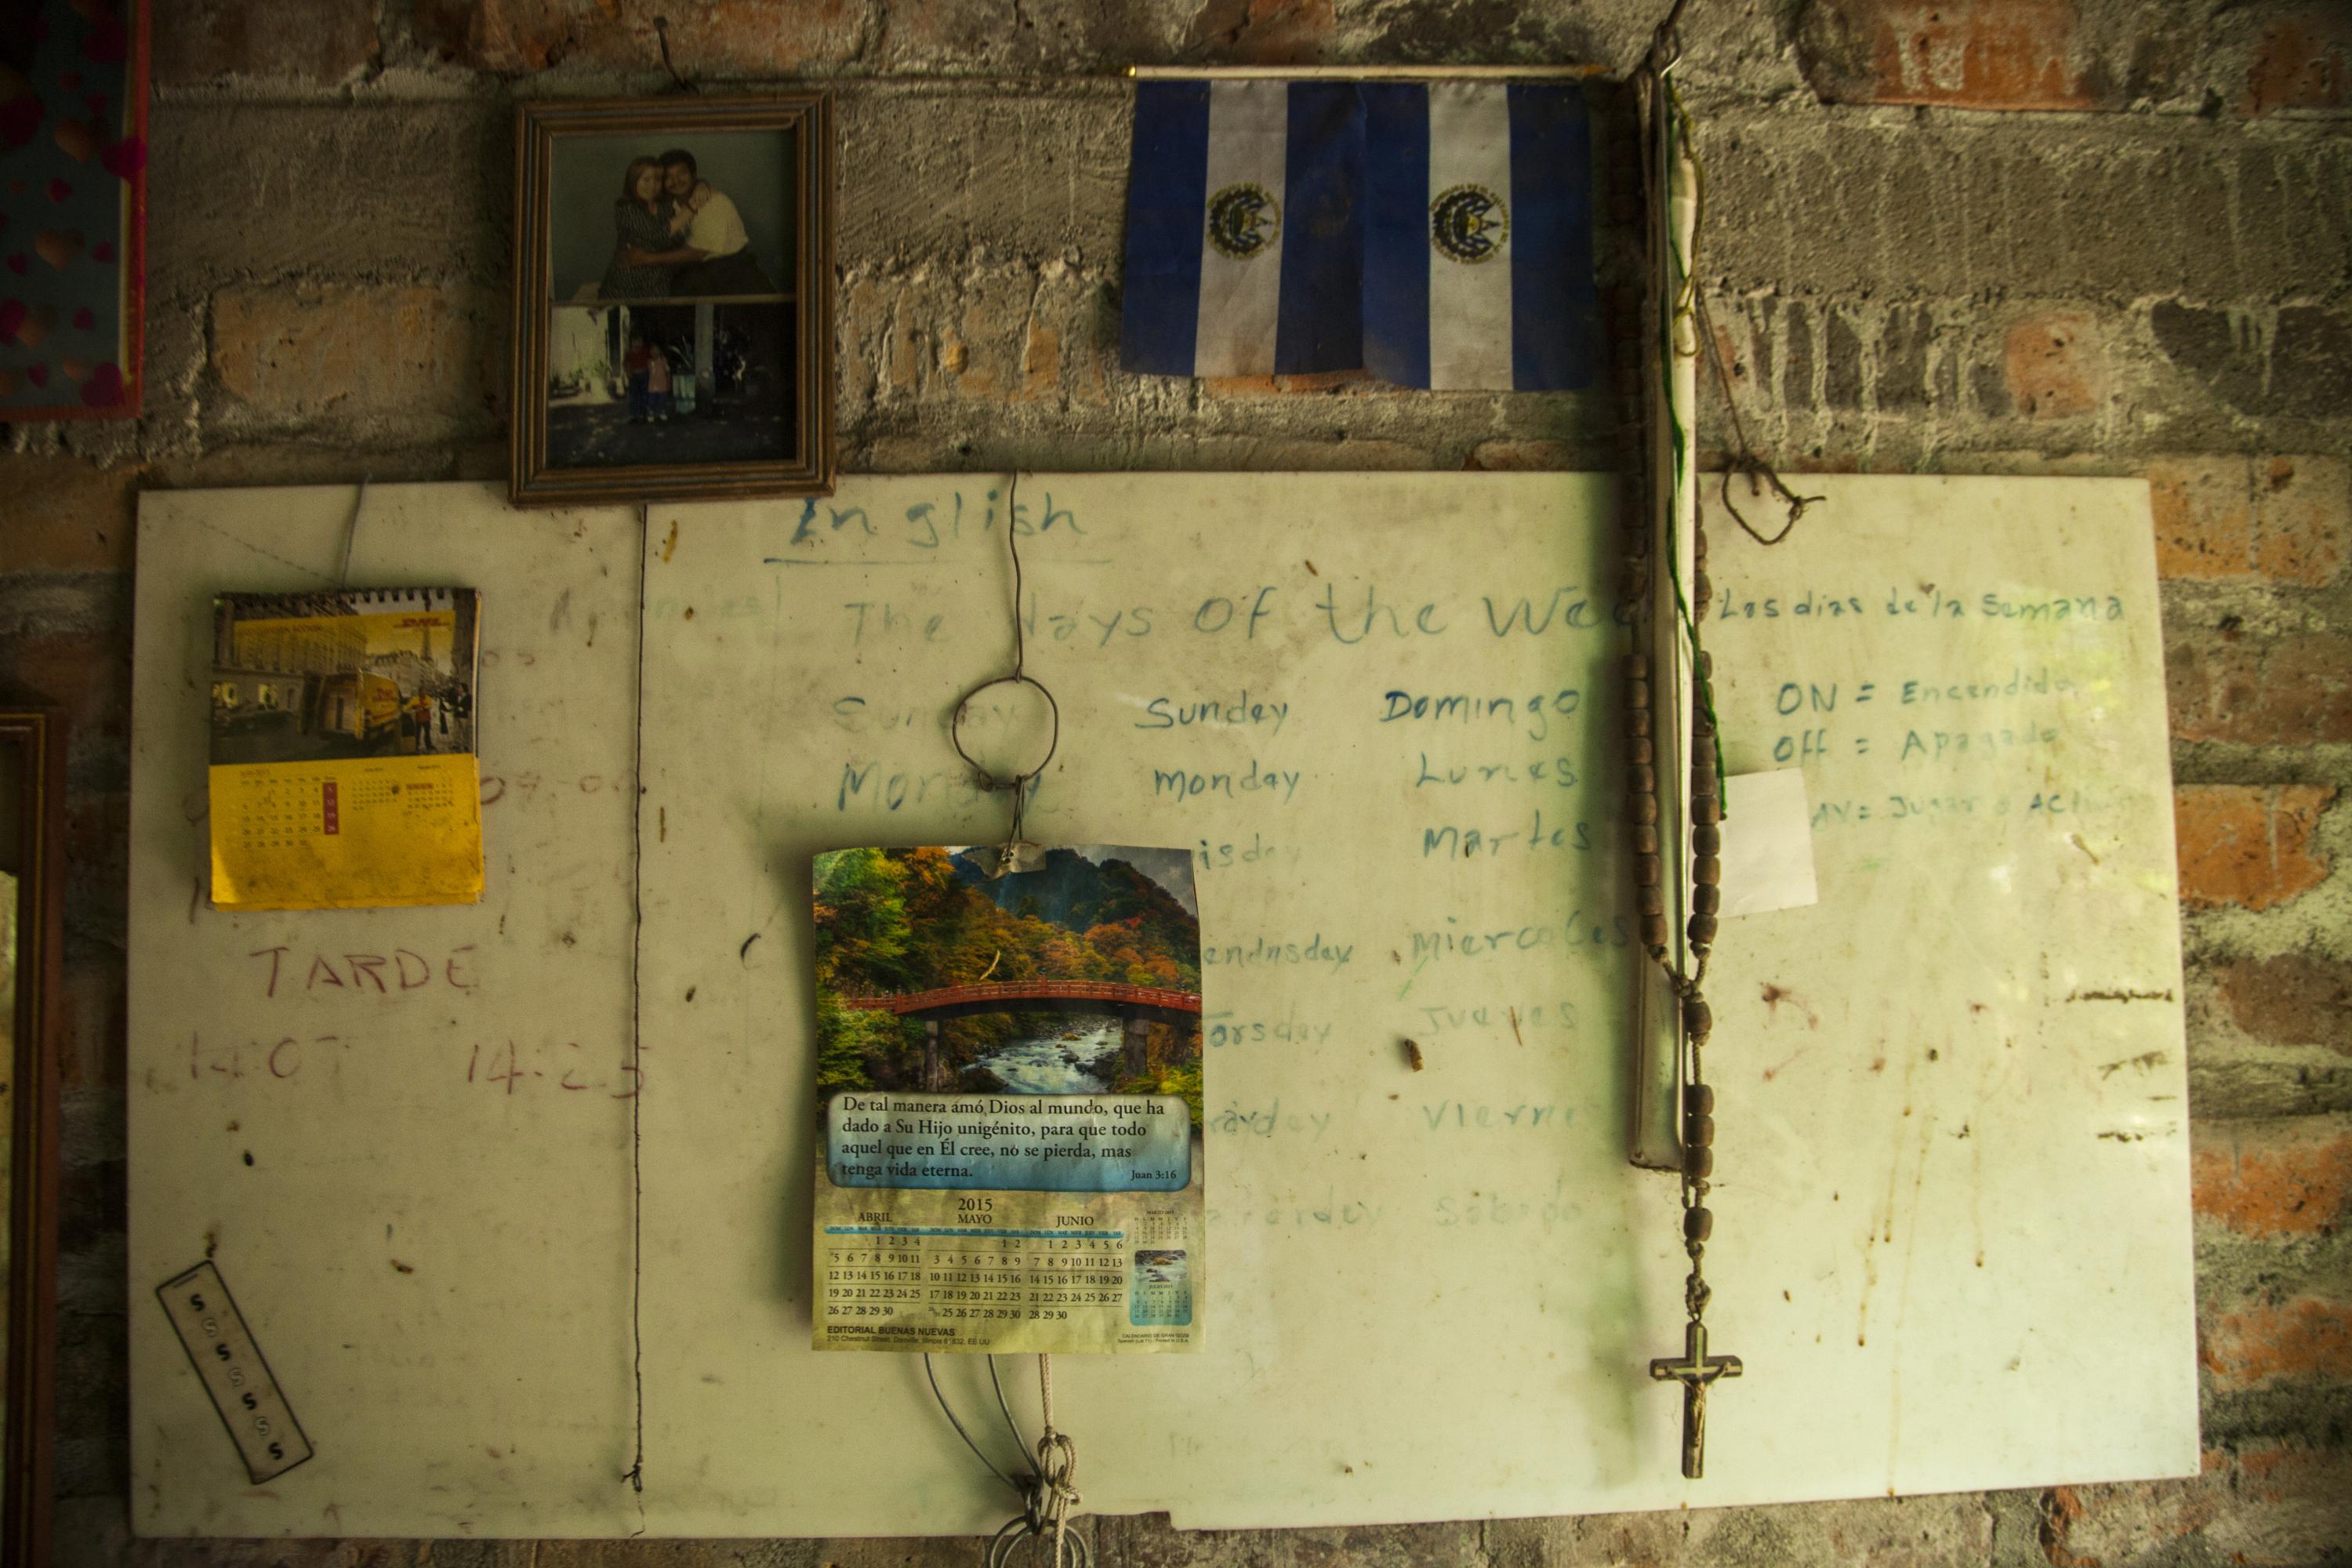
345 771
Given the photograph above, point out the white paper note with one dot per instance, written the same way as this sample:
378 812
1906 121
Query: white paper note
1767 845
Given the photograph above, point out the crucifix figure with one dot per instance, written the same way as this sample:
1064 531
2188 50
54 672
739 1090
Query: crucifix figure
1694 1371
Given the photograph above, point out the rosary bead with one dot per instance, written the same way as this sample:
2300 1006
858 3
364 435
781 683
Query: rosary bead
1705 662
1698 1020
1646 871
1698 1163
1706 839
1702 930
1699 1131
1707 870
1703 779
1644 808
1637 695
1651 900
1637 667
1706 810
1637 721
1637 749
1641 778
1654 932
1645 839
1706 901
1697 1225
1701 596
1698 1100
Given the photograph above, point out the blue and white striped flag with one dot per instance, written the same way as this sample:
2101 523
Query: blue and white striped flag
1439 235
1244 229
1478 237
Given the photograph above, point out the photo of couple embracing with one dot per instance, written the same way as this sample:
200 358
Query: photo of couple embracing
676 234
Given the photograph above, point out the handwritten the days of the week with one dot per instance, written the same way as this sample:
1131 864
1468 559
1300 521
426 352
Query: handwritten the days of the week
369 973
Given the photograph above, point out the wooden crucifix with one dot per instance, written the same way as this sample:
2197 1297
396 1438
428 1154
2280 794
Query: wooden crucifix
1694 1370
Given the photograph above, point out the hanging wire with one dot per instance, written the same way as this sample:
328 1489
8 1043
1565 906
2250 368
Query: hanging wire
1048 1493
1019 783
932 1376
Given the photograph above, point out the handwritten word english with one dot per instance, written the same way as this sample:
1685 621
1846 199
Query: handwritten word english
869 785
1223 1029
1269 951
1215 712
1264 1122
1185 785
1215 856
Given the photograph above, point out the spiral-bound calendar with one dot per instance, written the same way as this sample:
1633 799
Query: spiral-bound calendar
343 762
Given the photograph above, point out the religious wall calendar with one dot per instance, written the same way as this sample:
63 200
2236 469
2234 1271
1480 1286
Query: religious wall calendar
1009 1151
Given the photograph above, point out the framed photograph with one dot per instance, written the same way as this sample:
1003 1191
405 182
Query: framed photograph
673 300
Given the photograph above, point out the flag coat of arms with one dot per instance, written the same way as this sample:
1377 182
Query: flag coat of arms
1439 235
1244 229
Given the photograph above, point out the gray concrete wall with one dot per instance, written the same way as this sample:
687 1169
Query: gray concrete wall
1943 236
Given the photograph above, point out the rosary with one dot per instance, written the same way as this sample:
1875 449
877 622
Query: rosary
1674 218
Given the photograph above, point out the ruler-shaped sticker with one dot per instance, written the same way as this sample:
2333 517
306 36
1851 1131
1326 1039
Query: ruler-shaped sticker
243 1390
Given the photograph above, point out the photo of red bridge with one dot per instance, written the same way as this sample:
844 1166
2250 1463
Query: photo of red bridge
1138 1007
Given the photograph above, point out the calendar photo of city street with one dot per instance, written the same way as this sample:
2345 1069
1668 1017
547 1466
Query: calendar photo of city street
365 673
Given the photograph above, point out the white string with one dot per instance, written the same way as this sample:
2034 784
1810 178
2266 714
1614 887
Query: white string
1057 1463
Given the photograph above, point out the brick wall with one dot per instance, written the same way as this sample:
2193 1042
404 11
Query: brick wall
1945 236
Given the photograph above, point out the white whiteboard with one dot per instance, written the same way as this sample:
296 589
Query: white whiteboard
1425 1306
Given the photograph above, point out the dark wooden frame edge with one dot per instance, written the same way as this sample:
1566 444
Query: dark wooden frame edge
40 830
529 481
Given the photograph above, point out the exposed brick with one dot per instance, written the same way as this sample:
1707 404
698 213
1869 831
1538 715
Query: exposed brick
86 673
93 1039
2296 360
1979 208
2280 690
2300 62
2275 1177
2307 1337
1351 381
2054 366
67 515
2247 845
955 174
718 37
340 355
1976 54
2294 999
198 40
2265 1504
1841 377
1514 457
2280 519
386 189
1262 32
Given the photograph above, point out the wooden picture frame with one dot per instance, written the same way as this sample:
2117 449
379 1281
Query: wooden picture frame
696 372
32 859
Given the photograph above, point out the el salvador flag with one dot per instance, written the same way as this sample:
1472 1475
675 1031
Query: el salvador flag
1244 229
1478 237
